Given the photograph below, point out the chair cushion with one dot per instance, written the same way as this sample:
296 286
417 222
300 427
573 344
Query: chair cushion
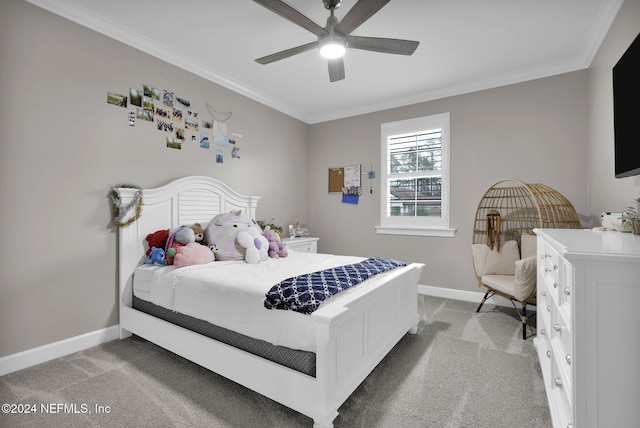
491 262
501 283
524 283
521 286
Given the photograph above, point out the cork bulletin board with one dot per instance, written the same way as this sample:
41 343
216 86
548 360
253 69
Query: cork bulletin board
336 180
345 179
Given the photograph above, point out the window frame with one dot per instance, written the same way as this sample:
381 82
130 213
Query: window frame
412 225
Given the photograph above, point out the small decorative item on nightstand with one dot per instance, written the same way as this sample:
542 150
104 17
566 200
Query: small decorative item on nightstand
297 229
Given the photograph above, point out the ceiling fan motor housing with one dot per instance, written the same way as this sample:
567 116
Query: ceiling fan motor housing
332 4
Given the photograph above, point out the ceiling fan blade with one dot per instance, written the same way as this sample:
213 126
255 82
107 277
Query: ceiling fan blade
292 15
287 53
359 13
378 44
336 69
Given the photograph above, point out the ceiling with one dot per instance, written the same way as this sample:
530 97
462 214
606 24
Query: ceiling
465 46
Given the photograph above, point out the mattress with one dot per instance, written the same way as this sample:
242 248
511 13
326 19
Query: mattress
301 361
230 294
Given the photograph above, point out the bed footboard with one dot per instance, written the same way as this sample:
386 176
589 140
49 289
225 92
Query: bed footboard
355 336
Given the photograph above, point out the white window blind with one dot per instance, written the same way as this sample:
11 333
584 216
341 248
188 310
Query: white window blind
415 176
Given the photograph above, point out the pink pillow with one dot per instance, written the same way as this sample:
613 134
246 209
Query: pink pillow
193 254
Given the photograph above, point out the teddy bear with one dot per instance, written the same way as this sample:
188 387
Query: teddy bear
276 249
156 257
256 246
198 232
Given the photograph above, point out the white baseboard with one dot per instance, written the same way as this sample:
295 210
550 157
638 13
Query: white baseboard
467 296
41 354
31 357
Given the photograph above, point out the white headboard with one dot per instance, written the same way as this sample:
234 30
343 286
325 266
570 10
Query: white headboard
187 200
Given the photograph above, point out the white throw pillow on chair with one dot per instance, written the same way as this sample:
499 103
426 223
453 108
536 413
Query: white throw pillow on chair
491 262
524 282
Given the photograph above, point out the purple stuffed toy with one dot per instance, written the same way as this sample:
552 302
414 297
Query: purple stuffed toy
276 249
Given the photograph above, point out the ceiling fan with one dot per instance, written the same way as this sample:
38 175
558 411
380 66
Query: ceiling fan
335 37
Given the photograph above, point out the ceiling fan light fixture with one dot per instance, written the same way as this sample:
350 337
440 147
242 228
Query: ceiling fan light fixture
332 49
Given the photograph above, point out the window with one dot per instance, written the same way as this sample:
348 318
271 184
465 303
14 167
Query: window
415 177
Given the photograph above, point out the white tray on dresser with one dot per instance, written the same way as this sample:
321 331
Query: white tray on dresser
588 342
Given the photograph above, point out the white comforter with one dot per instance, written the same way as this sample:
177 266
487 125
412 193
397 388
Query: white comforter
230 294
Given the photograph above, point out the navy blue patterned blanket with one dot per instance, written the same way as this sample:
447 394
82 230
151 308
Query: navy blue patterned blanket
304 293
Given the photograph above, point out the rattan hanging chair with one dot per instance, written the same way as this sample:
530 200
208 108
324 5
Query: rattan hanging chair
507 210
522 207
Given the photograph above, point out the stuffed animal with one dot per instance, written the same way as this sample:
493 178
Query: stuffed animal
156 257
256 246
177 239
198 232
276 249
221 232
183 235
193 254
157 239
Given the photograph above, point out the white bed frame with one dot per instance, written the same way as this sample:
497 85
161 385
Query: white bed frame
353 335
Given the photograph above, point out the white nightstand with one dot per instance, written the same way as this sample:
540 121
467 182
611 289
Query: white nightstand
305 244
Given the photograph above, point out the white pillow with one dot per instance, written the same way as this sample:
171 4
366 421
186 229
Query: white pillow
491 262
524 283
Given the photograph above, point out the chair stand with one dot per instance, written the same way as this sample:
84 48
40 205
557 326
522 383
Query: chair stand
522 313
487 296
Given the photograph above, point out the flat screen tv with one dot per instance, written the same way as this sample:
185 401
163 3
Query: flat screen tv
626 111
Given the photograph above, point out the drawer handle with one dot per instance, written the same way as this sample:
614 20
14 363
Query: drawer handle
544 293
548 354
548 308
555 267
557 327
568 358
543 331
567 291
555 284
558 382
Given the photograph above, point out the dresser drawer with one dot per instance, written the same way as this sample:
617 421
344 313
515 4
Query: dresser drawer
545 303
550 270
545 354
563 357
561 330
559 393
556 274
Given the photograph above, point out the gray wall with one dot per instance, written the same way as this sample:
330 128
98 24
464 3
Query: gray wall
534 131
607 193
63 147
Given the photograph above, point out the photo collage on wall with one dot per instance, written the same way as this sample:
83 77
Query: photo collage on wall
174 116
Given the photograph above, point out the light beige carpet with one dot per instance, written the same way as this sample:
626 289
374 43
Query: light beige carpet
462 369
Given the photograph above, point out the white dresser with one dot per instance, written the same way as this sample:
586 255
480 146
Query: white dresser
588 340
305 244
